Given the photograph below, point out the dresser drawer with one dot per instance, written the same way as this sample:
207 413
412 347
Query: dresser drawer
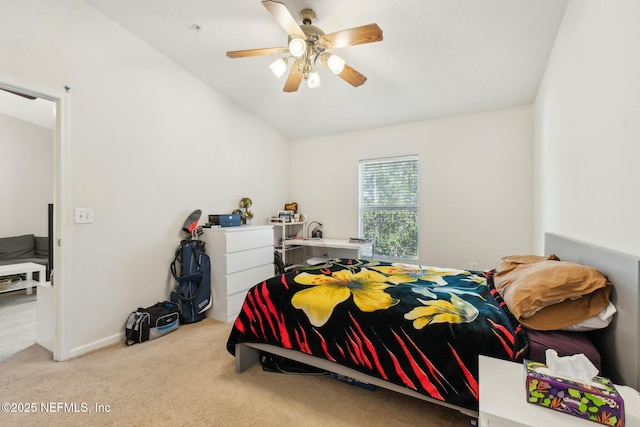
240 258
244 260
243 280
248 239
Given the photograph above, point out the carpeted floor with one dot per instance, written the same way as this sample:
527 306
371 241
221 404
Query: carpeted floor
187 378
17 322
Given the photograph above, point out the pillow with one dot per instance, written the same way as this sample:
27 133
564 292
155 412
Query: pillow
42 246
17 247
599 321
549 294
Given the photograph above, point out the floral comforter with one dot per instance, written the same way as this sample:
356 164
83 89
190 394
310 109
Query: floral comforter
419 327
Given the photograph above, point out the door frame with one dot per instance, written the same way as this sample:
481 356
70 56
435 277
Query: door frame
61 100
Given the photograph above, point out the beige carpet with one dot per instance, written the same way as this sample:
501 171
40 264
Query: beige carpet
17 322
187 378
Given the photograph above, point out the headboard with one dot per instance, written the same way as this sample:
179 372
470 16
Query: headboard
618 343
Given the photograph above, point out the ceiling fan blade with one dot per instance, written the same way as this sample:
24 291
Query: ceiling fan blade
351 76
281 14
354 36
293 80
20 94
256 52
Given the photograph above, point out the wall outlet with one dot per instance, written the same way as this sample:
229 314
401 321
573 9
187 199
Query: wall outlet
84 215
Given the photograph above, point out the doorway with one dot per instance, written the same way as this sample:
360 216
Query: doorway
26 147
58 296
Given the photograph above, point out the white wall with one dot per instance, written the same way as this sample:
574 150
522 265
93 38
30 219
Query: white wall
587 128
475 183
26 174
149 144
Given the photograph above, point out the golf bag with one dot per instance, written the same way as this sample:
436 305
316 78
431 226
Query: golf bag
192 269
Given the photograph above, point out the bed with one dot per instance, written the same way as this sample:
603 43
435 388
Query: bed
418 330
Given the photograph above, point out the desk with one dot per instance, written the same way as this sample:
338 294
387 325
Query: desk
503 402
332 248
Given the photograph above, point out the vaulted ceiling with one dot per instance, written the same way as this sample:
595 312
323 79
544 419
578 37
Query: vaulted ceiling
438 57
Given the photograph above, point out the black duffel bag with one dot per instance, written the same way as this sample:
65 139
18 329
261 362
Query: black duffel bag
149 323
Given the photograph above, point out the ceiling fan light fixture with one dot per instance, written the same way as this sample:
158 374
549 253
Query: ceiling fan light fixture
308 44
335 64
278 67
297 47
313 80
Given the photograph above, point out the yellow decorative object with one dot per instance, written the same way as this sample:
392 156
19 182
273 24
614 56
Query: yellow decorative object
293 206
246 203
326 292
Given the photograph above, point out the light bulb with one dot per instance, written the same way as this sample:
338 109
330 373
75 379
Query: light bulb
278 67
313 80
297 47
335 64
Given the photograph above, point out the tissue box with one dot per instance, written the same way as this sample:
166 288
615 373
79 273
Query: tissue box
602 405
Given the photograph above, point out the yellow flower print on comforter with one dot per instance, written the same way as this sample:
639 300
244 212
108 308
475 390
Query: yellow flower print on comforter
442 311
327 291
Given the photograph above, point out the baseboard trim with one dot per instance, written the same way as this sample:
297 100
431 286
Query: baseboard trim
84 349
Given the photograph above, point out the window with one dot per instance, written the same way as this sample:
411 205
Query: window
389 206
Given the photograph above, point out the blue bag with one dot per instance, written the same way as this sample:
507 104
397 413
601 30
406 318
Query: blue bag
192 269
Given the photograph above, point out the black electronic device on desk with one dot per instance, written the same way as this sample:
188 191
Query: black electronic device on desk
225 220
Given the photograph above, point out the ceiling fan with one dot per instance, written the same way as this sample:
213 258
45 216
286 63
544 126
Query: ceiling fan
308 45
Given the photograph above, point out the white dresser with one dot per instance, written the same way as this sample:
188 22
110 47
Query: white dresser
240 258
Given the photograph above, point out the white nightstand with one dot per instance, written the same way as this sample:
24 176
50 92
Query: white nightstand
503 400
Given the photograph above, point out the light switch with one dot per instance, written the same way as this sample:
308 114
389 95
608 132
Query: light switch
84 215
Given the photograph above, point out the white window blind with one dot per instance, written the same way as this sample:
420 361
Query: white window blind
389 205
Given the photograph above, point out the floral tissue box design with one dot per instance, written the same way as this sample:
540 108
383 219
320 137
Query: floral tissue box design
599 401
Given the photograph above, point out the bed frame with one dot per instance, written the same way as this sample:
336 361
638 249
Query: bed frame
618 344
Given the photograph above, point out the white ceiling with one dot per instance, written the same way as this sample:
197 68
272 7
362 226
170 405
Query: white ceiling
438 57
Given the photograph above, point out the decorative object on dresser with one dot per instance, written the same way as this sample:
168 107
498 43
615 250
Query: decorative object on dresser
247 215
240 257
